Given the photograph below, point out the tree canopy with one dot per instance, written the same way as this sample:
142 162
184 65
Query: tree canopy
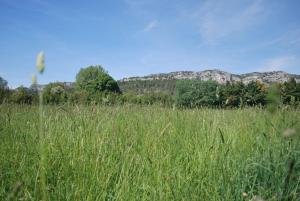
95 79
191 93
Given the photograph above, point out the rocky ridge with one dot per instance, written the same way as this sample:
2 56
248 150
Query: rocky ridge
220 76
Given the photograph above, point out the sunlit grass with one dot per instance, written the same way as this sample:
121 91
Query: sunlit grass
149 153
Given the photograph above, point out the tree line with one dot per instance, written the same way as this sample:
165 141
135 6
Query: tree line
95 86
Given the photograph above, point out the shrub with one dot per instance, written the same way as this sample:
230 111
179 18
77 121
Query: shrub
23 95
55 93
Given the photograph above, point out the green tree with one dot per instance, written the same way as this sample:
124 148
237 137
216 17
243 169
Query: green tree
290 92
232 94
94 79
255 93
193 93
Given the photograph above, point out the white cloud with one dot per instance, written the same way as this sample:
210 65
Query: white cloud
218 19
151 25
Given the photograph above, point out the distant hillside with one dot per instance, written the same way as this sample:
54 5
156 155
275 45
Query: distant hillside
165 82
145 86
220 76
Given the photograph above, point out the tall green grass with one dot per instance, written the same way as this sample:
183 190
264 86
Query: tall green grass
148 153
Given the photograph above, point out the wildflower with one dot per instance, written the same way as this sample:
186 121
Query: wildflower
289 132
40 62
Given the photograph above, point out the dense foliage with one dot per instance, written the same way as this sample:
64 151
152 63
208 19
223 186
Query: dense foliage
23 95
55 93
193 93
148 86
94 86
94 79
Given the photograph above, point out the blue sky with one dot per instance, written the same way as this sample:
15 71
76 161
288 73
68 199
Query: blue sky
140 37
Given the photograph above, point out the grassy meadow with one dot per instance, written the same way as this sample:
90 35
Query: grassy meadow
148 153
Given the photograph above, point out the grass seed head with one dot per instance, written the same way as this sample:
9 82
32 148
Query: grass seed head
244 194
289 132
40 62
257 198
33 79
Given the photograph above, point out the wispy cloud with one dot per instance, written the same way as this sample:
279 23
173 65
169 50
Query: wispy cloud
218 19
279 63
151 25
290 39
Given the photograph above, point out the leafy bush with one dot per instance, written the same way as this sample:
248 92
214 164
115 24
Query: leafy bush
55 93
78 97
23 95
158 98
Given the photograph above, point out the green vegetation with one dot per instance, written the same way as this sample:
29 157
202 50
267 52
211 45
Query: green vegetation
193 93
23 95
94 79
55 93
149 153
4 91
95 86
148 86
68 143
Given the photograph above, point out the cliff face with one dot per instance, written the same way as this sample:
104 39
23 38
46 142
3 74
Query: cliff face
220 76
